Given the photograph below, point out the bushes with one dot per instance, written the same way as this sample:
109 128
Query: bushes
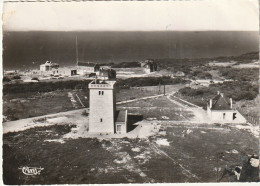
236 90
44 86
127 65
35 78
6 79
201 74
148 81
16 77
187 91
240 74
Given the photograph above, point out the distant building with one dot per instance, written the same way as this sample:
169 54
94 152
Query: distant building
179 74
103 117
10 72
90 74
48 66
70 72
64 72
149 66
107 74
88 67
220 109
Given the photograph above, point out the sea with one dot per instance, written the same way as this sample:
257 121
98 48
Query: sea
27 50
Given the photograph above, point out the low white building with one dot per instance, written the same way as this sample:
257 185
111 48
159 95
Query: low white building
149 66
87 67
220 109
48 66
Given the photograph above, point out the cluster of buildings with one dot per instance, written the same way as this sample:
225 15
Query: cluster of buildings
89 69
83 68
103 115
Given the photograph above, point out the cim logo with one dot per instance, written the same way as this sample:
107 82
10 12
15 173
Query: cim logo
31 170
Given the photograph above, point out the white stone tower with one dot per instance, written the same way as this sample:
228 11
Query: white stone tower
102 106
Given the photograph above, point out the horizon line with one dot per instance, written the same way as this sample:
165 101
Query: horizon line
130 30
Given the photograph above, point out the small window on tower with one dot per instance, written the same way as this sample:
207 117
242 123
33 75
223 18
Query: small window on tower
101 120
102 92
99 92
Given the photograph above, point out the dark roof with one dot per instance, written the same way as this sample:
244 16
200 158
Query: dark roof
98 82
105 72
220 103
87 64
150 63
120 115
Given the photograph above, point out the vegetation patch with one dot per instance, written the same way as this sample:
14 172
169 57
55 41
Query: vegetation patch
149 81
242 74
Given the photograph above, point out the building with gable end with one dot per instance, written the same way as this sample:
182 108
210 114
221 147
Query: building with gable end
220 109
48 66
85 67
106 73
149 66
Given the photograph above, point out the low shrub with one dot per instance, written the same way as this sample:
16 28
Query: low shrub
16 77
6 79
35 78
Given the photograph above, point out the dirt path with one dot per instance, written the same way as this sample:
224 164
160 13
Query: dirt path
199 113
177 103
23 124
138 99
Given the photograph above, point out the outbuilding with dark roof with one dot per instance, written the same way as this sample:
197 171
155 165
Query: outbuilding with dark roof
220 109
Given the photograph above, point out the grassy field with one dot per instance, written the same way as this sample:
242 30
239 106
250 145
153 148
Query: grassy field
157 108
24 105
180 151
189 155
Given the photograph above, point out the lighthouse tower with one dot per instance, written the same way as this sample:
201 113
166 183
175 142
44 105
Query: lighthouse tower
102 106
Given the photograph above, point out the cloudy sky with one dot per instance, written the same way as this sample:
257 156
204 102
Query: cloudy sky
133 16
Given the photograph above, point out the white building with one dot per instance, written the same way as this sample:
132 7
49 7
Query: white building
103 117
48 66
87 67
220 109
150 66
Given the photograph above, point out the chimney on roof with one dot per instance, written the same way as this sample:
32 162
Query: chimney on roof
231 102
218 92
210 103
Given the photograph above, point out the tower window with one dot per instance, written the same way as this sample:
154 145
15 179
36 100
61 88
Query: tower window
101 120
224 115
100 92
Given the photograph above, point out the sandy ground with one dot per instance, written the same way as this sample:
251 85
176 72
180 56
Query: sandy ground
222 64
248 65
46 120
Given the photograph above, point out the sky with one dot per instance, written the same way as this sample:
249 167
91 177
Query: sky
192 15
